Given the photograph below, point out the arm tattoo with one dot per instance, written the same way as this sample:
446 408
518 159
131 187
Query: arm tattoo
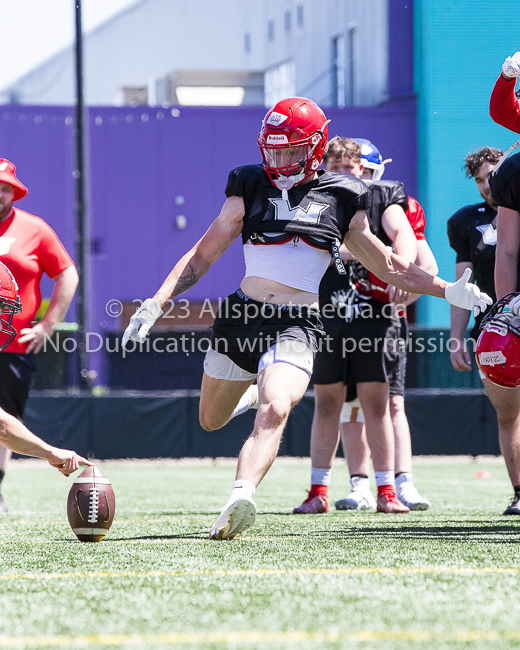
188 278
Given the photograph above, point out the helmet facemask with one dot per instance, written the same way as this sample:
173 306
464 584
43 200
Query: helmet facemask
8 309
292 140
289 163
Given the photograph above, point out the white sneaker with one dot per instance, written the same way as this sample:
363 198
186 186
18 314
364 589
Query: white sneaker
357 500
234 519
409 496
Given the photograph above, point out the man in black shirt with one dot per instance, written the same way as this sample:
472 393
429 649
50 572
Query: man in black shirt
472 232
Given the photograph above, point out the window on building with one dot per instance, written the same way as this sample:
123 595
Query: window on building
270 30
299 15
279 82
351 66
338 71
287 21
247 42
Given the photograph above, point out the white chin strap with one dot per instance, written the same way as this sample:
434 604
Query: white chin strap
285 183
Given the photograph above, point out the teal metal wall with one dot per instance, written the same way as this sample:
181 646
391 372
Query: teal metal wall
459 48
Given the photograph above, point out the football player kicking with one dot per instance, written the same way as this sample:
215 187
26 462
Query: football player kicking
13 434
292 218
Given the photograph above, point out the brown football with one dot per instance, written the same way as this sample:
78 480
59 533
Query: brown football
91 505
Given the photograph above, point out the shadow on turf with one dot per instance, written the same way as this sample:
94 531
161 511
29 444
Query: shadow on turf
506 534
144 537
488 531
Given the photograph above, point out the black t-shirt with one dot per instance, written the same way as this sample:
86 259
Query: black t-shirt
505 183
334 286
382 195
322 208
473 236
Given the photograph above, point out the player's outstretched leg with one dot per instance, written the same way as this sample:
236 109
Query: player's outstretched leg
280 388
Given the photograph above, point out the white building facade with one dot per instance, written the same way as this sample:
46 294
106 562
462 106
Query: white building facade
232 52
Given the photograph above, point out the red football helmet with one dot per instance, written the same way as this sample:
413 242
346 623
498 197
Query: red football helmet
498 346
9 304
293 140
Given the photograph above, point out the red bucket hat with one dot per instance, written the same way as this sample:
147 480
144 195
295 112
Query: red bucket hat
7 175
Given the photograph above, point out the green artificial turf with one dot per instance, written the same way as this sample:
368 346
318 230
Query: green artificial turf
445 578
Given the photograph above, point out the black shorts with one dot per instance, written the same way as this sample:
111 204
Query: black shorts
397 381
398 378
245 329
363 350
16 376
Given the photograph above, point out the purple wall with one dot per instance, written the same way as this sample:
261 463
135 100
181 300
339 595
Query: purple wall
140 160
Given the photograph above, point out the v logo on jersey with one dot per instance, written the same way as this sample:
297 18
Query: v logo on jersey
489 234
284 212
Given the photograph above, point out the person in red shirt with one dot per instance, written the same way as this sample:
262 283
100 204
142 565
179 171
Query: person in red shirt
13 434
504 108
30 248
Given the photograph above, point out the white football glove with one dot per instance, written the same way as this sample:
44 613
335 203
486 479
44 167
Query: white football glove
514 305
467 296
142 321
511 66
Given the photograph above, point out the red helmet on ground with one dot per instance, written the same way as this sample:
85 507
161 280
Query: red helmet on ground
498 346
9 304
293 140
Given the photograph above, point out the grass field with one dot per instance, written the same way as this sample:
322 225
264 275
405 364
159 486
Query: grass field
446 578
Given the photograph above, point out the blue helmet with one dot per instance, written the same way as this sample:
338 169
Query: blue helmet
372 158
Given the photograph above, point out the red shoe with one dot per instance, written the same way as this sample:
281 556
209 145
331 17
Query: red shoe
387 501
313 505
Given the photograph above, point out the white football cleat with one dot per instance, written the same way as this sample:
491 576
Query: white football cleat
357 500
409 496
234 519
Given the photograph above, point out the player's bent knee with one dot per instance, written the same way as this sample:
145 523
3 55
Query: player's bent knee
276 411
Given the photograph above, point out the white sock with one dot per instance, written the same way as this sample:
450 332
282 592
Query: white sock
384 478
248 400
404 477
241 490
320 476
360 483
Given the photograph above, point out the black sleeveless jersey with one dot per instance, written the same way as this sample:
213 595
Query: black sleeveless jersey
505 183
382 195
319 211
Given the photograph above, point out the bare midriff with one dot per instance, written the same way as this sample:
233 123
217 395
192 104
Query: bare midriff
276 293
